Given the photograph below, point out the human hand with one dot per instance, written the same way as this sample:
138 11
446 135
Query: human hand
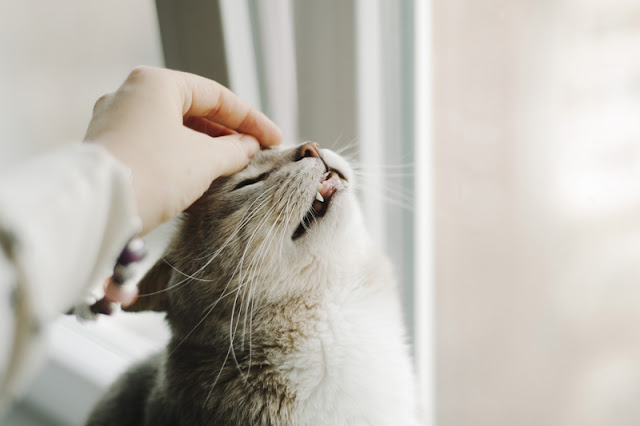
177 132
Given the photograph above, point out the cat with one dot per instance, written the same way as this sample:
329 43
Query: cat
282 311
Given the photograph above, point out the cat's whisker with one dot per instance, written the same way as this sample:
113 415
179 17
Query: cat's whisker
389 190
245 282
403 206
209 309
286 222
393 175
336 140
396 176
383 168
237 269
395 199
259 262
231 349
256 261
249 301
248 216
384 174
217 377
351 145
258 258
396 179
246 219
232 336
253 235
186 276
251 213
185 280
232 331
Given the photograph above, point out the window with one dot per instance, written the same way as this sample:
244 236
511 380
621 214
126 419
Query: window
337 72
499 143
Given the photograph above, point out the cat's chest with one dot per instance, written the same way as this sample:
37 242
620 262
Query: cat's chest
354 339
356 359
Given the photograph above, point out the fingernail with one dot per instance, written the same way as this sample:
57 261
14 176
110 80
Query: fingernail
250 145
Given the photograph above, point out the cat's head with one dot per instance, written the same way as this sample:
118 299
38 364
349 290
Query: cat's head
287 224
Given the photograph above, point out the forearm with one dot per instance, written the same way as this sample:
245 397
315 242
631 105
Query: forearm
64 218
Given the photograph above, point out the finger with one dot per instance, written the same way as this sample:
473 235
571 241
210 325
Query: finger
123 294
207 127
206 98
224 155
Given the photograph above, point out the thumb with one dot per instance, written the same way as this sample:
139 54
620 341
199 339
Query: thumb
225 155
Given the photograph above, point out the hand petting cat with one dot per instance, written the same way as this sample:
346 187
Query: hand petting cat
177 132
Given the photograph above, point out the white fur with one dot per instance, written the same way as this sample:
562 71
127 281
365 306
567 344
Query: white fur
356 369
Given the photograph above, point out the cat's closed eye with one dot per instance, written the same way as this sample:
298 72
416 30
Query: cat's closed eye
251 181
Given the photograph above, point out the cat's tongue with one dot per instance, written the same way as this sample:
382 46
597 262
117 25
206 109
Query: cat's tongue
325 191
328 187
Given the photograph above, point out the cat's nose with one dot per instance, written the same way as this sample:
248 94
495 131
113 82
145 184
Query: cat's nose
308 149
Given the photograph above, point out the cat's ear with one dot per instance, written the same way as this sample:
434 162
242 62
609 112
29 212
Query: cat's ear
152 289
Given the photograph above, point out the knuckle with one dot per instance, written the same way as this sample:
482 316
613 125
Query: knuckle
216 108
101 101
249 122
144 72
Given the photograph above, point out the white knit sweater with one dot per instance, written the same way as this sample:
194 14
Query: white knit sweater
64 218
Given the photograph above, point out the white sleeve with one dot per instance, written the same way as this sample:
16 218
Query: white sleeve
64 218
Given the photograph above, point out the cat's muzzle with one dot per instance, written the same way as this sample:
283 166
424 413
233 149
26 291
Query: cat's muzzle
330 183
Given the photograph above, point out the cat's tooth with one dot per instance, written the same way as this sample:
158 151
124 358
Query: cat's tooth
319 197
319 188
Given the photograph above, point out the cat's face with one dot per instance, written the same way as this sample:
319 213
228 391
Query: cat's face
282 226
293 200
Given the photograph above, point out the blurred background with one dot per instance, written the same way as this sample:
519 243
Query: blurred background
499 143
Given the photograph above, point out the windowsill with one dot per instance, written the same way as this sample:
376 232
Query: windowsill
84 359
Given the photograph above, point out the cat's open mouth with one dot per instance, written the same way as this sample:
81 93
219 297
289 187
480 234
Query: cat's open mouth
330 183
